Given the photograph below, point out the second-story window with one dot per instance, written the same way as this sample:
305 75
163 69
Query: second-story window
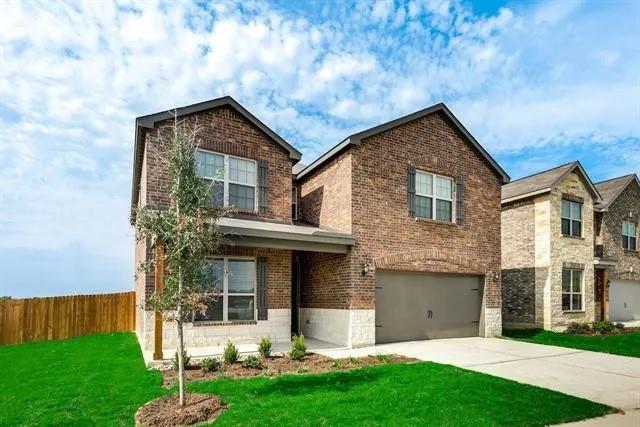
629 235
434 196
571 218
232 179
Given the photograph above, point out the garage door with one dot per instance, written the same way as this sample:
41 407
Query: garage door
624 300
414 306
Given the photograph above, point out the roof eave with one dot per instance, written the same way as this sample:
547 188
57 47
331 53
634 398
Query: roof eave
526 195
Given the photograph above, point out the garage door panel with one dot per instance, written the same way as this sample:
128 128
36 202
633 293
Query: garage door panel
624 300
411 306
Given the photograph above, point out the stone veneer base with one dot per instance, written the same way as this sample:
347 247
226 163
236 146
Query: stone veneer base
350 328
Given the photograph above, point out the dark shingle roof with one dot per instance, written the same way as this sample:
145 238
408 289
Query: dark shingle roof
543 182
611 188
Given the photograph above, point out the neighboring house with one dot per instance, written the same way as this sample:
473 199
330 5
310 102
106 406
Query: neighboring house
393 234
616 249
548 248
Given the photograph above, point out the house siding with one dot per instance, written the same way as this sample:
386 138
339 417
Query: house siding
535 253
387 238
225 131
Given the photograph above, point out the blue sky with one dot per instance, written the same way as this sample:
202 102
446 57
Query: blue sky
537 83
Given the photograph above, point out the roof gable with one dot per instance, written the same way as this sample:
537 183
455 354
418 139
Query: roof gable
612 188
149 121
543 182
356 138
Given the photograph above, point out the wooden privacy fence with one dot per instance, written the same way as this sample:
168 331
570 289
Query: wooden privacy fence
33 319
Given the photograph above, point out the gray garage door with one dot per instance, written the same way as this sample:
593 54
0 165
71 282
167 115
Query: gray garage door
624 300
415 306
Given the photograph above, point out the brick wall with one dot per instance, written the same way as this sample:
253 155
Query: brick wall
379 213
225 131
627 262
381 223
568 250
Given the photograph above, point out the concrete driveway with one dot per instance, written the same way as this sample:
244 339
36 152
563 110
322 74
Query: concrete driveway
612 380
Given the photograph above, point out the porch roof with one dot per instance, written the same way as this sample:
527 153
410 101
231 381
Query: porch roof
302 237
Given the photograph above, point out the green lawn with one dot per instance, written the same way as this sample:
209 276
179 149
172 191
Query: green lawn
623 344
101 380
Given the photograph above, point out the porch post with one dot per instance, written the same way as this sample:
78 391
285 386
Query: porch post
159 286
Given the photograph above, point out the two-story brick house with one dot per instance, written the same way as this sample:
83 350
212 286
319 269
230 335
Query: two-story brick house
393 234
547 248
617 259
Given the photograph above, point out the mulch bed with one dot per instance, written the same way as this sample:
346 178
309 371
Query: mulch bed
166 411
277 365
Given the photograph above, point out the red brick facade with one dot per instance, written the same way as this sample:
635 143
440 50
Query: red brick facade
225 131
386 236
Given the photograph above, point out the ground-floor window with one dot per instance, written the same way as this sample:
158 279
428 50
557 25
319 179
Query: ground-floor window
234 285
572 295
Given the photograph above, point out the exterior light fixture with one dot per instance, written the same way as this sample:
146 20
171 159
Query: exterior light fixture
365 268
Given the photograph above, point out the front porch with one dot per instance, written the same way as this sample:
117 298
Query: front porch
270 295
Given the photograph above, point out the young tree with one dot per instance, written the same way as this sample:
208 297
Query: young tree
187 228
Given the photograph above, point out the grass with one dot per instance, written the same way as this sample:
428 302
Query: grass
623 344
92 380
101 380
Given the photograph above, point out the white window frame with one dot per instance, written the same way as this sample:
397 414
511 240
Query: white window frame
571 292
571 218
226 181
629 236
434 198
224 292
294 202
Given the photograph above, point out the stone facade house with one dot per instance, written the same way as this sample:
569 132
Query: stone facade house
377 240
548 249
617 259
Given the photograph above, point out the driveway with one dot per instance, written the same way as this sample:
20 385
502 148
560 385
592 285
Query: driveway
599 377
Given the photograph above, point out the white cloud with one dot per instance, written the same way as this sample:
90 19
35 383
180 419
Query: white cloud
75 75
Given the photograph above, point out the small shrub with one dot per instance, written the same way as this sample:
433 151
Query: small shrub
265 348
604 328
186 360
210 364
335 364
302 370
578 328
252 362
383 358
298 348
230 355
353 360
620 326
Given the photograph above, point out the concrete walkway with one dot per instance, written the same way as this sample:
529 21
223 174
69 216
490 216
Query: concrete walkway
609 379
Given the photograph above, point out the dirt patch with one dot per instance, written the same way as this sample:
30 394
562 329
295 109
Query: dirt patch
166 411
277 365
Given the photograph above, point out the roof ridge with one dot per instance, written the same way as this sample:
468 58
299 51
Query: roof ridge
617 177
541 172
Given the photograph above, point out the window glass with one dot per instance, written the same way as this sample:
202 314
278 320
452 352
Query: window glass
566 280
214 310
424 207
629 235
443 187
576 228
576 211
424 183
443 210
566 209
242 171
241 276
242 196
571 290
241 308
566 226
210 165
577 281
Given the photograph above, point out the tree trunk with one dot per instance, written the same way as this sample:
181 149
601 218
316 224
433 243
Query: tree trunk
181 382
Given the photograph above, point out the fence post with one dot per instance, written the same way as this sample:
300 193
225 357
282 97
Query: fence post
159 286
